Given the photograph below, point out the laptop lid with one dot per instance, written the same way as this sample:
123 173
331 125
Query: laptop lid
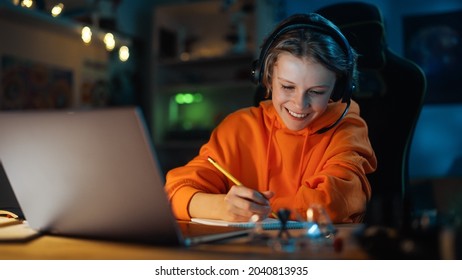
89 174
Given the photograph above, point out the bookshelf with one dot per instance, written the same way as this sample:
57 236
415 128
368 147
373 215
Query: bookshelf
202 55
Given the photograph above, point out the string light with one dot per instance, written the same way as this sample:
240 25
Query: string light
86 35
109 41
27 3
86 31
124 53
57 9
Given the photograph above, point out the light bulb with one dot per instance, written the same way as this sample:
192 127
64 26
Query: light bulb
124 53
86 34
109 41
57 9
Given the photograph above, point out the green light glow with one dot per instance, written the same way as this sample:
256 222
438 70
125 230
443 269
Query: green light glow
197 97
188 98
179 98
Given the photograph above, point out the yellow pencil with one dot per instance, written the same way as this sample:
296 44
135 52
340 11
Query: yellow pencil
226 173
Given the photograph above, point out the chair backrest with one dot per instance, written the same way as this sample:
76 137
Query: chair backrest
390 93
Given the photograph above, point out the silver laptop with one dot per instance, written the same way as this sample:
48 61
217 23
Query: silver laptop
92 174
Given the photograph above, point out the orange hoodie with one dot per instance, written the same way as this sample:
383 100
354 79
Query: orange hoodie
300 167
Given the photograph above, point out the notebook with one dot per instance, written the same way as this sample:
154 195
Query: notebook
267 224
92 174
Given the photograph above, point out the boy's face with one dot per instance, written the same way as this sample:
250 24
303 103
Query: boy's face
301 89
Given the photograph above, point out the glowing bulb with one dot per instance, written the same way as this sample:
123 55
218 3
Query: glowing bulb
57 9
309 214
124 53
188 98
179 99
109 41
86 34
27 3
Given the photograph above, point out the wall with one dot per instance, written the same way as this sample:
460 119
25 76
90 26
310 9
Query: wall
400 8
44 40
436 151
437 148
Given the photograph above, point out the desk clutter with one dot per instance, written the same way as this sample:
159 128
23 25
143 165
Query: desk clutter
13 229
394 229
284 235
426 235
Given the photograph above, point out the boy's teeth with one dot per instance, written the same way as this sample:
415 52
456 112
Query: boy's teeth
296 115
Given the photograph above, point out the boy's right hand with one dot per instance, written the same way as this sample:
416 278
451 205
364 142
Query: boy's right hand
241 203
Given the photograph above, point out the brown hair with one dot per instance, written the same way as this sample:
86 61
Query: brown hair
311 44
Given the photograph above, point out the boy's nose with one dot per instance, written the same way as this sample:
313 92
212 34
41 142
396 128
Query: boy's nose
301 100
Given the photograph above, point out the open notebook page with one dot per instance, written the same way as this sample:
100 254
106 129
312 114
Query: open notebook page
268 223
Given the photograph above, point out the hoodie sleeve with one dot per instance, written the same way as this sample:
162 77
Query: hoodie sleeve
199 175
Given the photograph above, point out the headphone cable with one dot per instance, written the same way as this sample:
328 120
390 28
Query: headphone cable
322 130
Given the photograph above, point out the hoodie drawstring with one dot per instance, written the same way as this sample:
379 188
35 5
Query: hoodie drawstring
302 164
268 152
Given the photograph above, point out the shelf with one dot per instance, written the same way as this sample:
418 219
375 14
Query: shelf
208 86
63 25
219 70
233 72
231 58
35 18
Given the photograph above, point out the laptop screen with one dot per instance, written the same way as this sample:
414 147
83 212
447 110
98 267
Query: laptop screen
87 173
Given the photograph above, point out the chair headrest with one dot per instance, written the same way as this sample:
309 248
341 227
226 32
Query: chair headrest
362 24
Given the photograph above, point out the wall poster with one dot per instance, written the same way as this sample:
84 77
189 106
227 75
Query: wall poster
26 84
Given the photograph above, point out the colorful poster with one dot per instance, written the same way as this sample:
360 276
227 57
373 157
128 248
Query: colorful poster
26 84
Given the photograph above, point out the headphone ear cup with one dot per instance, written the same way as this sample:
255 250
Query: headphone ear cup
336 95
338 91
349 88
255 74
343 90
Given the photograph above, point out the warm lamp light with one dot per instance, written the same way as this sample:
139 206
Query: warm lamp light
86 34
124 53
27 3
57 9
109 41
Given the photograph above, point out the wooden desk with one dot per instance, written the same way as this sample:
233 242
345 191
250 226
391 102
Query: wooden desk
57 248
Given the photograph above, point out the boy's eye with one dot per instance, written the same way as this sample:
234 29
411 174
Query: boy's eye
287 87
316 92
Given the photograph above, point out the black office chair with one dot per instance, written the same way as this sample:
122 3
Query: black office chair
390 93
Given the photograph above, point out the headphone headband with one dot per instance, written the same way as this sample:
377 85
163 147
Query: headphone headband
320 24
